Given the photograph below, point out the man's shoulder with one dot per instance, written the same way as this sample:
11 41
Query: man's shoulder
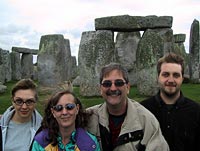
149 101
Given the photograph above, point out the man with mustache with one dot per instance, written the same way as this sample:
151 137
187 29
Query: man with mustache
179 117
122 124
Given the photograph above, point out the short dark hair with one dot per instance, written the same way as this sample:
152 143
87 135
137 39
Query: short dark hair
170 58
25 84
114 66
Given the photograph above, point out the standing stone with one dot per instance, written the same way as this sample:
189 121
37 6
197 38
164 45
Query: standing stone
5 66
74 68
53 61
27 65
126 46
15 65
179 49
96 49
153 45
194 51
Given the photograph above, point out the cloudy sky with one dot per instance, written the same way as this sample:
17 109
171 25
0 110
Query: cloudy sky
23 22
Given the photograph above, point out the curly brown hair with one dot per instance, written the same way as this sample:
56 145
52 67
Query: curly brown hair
50 123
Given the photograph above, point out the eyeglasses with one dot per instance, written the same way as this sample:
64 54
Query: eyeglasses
108 83
69 106
20 102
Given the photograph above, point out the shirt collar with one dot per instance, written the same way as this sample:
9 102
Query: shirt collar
178 102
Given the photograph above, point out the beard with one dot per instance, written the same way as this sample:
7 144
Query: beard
170 94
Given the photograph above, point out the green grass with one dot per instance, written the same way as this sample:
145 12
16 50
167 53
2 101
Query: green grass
189 90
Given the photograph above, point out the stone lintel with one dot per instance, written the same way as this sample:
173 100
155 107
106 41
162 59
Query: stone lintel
126 23
25 50
179 38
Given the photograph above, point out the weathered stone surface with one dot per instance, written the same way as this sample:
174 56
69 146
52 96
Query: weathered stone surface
126 46
53 60
5 66
132 23
194 50
15 65
179 38
96 49
151 47
27 65
25 50
3 88
74 68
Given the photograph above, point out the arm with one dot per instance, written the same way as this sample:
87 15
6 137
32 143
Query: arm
153 138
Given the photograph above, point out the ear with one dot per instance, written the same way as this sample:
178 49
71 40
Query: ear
52 111
128 87
77 108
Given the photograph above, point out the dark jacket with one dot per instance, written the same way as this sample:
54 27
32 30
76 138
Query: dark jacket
180 123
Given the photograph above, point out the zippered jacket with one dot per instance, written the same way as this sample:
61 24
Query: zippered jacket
140 130
8 114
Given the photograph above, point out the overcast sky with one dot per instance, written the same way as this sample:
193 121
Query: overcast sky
23 22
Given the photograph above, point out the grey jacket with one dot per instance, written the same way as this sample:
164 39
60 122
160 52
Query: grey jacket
137 119
6 117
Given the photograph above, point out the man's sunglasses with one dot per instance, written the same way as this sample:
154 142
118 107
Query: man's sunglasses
20 102
108 83
69 106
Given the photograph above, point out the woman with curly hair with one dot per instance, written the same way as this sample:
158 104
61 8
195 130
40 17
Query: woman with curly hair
63 126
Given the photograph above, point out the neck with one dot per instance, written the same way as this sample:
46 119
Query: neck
66 134
17 119
170 99
117 109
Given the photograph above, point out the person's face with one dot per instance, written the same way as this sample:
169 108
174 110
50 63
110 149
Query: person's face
66 117
24 104
115 95
170 79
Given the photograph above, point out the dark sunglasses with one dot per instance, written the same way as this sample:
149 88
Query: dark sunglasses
68 106
108 83
20 102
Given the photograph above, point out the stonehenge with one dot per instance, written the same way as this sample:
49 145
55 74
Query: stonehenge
137 42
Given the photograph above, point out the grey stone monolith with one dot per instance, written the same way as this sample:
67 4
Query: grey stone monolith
96 49
126 46
15 65
27 65
53 61
5 66
153 45
194 51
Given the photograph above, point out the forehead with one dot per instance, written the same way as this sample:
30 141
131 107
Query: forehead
66 98
25 93
114 74
171 67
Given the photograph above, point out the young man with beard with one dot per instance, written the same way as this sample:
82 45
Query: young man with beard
120 123
179 117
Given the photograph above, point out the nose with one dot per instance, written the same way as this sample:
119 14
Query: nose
24 105
64 111
170 78
113 87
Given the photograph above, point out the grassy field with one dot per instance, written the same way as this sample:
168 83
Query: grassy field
190 90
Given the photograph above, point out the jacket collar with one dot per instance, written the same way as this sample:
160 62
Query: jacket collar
178 102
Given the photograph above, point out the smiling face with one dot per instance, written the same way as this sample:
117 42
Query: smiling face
170 79
24 112
66 117
115 96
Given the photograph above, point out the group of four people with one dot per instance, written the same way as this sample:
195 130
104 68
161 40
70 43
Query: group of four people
118 124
